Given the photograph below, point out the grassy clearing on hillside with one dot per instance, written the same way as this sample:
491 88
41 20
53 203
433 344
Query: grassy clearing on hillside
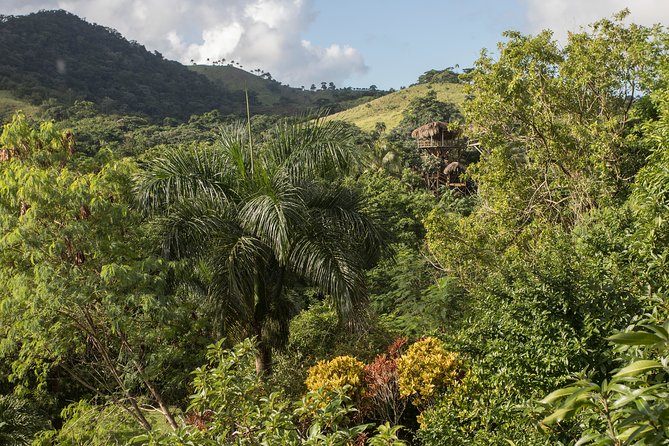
236 79
388 109
9 105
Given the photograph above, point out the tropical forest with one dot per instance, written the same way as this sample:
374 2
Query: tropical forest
203 255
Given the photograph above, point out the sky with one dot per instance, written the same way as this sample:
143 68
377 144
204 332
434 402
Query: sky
387 43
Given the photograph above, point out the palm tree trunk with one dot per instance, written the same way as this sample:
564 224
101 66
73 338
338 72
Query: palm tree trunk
263 357
264 352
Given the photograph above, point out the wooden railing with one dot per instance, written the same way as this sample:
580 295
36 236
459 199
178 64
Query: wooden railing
448 143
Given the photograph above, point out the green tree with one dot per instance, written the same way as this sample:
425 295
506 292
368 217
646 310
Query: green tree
447 75
555 122
83 296
629 404
545 258
263 217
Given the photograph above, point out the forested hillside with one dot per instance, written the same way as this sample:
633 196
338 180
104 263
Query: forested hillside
54 54
54 58
271 97
293 281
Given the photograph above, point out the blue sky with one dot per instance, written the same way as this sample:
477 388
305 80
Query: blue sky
400 40
351 43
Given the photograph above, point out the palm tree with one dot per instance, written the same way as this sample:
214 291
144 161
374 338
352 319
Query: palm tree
261 220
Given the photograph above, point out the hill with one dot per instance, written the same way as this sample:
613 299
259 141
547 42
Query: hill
389 108
10 104
272 97
56 56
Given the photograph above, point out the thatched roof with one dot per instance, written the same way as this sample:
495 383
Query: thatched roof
433 129
454 167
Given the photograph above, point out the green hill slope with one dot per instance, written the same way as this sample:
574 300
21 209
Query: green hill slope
388 109
265 91
271 97
10 104
57 55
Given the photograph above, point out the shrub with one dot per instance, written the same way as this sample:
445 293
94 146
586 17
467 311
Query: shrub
425 369
335 374
315 335
231 405
85 422
382 399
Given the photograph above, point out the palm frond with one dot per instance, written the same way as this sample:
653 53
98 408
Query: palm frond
335 271
315 148
188 226
338 210
273 214
237 261
236 148
182 174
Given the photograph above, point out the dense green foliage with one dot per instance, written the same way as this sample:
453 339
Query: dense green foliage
19 422
263 217
547 256
292 281
439 76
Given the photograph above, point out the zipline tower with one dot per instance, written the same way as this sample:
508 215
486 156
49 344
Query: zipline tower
441 150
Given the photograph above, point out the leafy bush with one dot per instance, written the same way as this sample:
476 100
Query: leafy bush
335 374
382 398
231 405
426 369
92 424
229 387
482 411
316 334
629 407
19 422
387 436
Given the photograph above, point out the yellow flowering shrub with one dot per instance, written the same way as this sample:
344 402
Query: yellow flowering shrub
335 374
426 368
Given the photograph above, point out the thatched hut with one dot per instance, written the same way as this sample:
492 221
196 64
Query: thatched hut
453 173
436 134
455 168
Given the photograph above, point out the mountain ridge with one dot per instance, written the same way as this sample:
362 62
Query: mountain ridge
57 57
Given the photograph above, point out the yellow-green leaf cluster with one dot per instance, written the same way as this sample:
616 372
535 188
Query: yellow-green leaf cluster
426 368
335 374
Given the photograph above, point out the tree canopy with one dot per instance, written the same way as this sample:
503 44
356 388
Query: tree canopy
294 281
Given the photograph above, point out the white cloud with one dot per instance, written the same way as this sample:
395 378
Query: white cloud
329 60
25 6
569 15
266 34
